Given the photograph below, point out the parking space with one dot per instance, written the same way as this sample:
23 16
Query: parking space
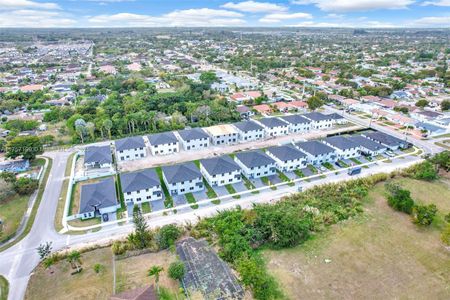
291 175
274 179
220 190
157 205
257 182
239 187
199 196
179 200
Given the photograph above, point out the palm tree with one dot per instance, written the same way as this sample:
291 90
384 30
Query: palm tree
154 271
74 259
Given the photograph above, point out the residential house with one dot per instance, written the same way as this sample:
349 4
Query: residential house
249 131
368 147
97 199
431 129
255 164
274 126
141 186
130 148
219 171
391 142
297 123
182 178
224 134
193 139
338 119
263 109
319 120
317 152
287 157
426 115
163 143
97 157
345 147
244 111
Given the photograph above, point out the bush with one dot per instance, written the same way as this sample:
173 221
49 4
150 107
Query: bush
98 268
25 186
176 270
399 199
442 160
167 236
425 171
445 236
119 247
424 214
447 218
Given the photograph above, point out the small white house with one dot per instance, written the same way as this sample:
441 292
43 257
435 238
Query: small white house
219 171
297 123
97 157
183 178
255 164
317 152
345 147
319 121
163 143
391 142
224 134
97 199
141 186
274 126
130 148
249 131
193 139
287 157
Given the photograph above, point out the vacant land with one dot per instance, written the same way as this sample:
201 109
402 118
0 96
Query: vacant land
379 255
12 210
4 288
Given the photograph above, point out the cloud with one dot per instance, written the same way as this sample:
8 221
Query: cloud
34 18
188 18
436 3
255 7
278 17
368 24
432 22
19 4
356 5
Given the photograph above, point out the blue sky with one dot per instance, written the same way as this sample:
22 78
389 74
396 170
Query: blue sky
209 13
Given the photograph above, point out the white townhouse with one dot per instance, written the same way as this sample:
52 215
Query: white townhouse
274 126
256 164
141 186
297 123
224 134
163 143
219 171
317 152
130 148
97 157
183 178
337 119
319 120
249 131
345 147
391 142
193 139
368 147
97 199
287 157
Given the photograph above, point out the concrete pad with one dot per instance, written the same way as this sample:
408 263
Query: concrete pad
157 205
220 190
179 200
274 179
239 187
307 172
291 175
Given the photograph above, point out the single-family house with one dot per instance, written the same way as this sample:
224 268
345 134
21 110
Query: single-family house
319 120
130 148
391 142
297 123
287 157
141 186
274 126
368 147
219 171
431 129
97 157
249 131
244 111
317 152
263 109
182 178
193 139
345 147
337 118
163 143
15 166
98 198
224 134
255 164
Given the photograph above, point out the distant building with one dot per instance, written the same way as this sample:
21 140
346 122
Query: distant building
391 142
368 147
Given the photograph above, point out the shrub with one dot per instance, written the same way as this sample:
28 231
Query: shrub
25 186
167 236
98 268
424 214
445 236
399 199
176 270
447 218
442 160
119 247
425 171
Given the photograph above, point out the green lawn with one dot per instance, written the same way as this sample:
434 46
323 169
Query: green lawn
209 190
266 181
4 288
12 210
168 201
356 161
313 169
231 190
343 164
249 185
191 200
146 208
328 166
284 178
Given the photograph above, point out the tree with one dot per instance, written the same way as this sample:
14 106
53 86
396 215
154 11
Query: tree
25 186
44 250
445 105
422 103
167 236
314 103
26 146
176 270
74 258
399 198
91 129
142 236
154 271
442 160
208 77
424 214
425 171
80 129
108 124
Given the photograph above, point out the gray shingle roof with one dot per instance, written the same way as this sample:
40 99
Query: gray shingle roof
254 158
219 165
162 138
247 126
100 194
97 154
130 143
341 142
286 152
139 180
192 134
366 143
384 138
296 119
272 122
335 116
316 116
315 148
181 172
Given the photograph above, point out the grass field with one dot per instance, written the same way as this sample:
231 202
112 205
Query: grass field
4 288
231 191
62 197
12 210
379 255
191 200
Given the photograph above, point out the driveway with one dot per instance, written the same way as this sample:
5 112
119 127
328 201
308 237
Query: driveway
239 187
274 179
179 200
157 205
221 190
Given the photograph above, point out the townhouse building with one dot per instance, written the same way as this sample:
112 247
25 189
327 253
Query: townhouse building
97 157
287 157
182 178
224 134
130 148
249 131
318 120
220 171
391 142
297 123
141 186
368 147
345 147
274 126
317 152
97 199
255 164
193 139
163 143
